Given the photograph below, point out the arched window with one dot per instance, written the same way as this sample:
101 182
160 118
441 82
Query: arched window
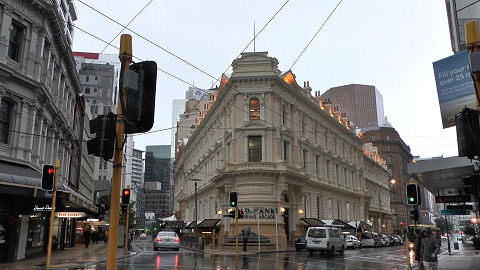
254 109
6 108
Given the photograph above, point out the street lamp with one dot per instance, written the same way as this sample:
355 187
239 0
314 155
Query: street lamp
196 204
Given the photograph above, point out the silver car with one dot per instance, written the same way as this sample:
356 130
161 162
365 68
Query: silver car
167 240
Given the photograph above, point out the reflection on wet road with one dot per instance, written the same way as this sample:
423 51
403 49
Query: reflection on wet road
380 258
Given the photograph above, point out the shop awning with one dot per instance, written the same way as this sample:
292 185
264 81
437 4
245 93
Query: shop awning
313 222
360 224
191 225
20 180
338 222
208 224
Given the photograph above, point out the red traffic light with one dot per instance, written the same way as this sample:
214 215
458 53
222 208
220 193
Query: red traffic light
401 223
51 171
126 192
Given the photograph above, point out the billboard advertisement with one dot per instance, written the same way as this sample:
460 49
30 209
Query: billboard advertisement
455 87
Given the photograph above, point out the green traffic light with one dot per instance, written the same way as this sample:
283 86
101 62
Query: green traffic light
411 199
232 203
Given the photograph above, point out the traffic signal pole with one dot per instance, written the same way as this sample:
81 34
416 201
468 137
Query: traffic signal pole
236 229
126 230
52 214
125 53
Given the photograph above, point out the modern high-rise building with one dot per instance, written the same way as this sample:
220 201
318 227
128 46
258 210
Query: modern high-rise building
459 12
158 168
137 186
361 104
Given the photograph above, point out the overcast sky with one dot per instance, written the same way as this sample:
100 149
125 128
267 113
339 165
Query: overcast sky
388 44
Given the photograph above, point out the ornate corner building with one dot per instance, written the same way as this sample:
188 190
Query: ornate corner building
287 155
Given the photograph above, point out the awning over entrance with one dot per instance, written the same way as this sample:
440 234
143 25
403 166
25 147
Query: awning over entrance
313 222
191 225
208 224
338 222
439 174
22 180
360 224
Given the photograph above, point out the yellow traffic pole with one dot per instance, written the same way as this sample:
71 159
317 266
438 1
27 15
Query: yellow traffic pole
213 240
52 213
125 52
126 230
236 229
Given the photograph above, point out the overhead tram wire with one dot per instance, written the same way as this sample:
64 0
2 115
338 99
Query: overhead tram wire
124 27
176 56
308 44
184 81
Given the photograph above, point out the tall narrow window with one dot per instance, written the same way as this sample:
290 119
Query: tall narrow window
286 150
305 159
345 175
319 208
15 42
318 169
327 167
254 148
339 210
254 109
284 114
337 174
347 206
330 210
5 115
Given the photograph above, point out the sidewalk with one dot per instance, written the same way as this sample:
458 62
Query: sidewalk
77 256
466 257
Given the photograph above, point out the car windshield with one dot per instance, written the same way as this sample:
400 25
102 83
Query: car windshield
317 233
165 234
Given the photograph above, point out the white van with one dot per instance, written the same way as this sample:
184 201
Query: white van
327 238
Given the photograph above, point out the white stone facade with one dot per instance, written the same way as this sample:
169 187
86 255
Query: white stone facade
289 152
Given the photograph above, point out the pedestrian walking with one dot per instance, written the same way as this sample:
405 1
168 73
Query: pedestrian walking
430 251
86 236
246 235
418 249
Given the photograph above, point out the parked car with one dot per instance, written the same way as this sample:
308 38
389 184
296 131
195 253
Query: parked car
327 238
377 240
385 240
353 242
143 236
396 240
300 243
169 240
367 241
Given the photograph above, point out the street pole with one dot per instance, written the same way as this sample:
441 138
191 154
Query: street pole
380 209
196 213
52 213
258 229
236 229
448 237
126 55
126 229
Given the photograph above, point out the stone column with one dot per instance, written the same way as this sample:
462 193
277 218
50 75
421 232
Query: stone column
23 126
29 144
43 140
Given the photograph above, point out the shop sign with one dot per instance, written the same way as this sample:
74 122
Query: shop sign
92 219
262 212
70 214
46 208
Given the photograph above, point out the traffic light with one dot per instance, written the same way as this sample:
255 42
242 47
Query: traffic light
125 196
124 208
141 88
471 184
103 143
233 199
240 214
414 214
48 177
412 194
468 132
401 223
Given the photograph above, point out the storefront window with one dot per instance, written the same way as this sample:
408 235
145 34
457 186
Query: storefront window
36 231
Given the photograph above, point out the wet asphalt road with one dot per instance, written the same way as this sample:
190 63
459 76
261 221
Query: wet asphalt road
366 258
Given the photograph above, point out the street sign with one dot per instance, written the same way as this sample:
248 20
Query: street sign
461 206
454 86
455 212
453 199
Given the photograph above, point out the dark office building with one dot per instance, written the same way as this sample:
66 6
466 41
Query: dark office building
362 104
158 164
